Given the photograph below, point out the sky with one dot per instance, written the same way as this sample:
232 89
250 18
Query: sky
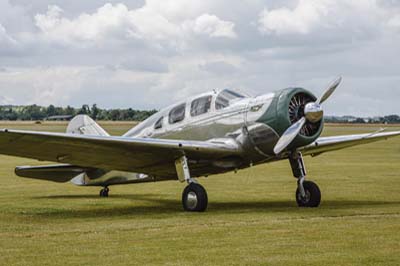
147 54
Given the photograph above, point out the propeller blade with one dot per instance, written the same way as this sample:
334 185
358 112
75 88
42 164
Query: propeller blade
289 135
330 90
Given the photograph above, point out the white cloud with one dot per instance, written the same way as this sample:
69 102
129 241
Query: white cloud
308 16
149 53
299 20
107 20
211 25
41 85
118 23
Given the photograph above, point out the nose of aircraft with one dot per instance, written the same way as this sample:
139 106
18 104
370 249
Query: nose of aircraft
312 112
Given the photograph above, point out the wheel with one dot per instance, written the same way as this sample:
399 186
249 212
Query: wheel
104 192
312 198
194 198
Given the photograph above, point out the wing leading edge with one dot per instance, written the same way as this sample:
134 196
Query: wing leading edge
326 144
142 155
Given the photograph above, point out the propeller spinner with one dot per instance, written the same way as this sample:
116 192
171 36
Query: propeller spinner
313 112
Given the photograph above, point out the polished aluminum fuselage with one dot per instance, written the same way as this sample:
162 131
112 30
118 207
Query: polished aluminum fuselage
237 122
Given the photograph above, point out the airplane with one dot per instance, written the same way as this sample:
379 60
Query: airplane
215 132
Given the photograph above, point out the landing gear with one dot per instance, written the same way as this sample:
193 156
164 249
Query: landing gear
308 193
312 195
194 196
104 192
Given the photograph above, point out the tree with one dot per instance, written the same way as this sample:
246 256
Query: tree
51 110
33 112
359 121
69 110
85 110
392 119
115 114
95 111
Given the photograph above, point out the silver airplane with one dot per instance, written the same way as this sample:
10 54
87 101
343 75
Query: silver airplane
215 132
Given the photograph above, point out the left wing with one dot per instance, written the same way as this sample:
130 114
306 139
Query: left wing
141 155
325 144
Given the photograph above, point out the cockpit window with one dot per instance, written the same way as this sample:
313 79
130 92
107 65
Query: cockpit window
200 106
159 123
177 114
226 97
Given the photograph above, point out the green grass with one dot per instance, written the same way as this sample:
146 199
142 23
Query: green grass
252 218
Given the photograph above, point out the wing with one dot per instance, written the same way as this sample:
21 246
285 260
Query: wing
57 173
325 144
142 155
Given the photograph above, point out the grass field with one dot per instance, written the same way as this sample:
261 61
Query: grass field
252 218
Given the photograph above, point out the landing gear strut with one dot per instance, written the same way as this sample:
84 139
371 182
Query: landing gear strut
104 192
307 193
194 196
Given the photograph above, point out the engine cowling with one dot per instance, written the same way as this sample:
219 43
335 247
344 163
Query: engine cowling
286 109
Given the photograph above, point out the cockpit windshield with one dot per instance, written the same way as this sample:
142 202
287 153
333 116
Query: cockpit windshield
226 98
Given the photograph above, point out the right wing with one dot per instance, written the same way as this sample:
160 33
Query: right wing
141 155
326 144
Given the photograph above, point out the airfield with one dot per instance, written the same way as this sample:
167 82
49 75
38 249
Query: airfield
252 217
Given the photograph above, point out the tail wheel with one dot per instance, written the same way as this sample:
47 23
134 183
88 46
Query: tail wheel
194 198
104 192
312 198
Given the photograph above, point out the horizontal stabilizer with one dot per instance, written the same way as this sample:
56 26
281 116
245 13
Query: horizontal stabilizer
57 173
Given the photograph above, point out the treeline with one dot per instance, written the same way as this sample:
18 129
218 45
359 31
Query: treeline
35 112
389 119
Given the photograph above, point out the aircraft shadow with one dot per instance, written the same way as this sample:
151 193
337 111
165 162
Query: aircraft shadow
172 206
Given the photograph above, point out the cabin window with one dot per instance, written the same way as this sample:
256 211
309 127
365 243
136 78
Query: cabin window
200 106
225 98
177 114
159 123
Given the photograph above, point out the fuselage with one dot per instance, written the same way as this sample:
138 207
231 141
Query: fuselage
254 123
203 117
226 113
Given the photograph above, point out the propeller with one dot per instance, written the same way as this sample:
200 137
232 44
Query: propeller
313 112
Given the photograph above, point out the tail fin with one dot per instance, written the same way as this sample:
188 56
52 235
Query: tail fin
84 125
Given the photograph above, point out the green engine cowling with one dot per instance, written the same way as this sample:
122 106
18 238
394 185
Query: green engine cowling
287 108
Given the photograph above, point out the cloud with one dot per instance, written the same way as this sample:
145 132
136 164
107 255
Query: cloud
219 67
107 21
299 20
150 53
143 64
118 23
359 17
42 85
211 25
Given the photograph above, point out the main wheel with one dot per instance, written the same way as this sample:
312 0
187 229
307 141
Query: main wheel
194 198
312 198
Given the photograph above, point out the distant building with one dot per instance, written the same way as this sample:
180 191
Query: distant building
60 118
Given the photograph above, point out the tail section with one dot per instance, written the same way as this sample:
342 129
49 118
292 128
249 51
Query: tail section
84 125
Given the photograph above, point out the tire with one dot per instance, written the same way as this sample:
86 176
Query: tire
194 198
104 193
313 195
